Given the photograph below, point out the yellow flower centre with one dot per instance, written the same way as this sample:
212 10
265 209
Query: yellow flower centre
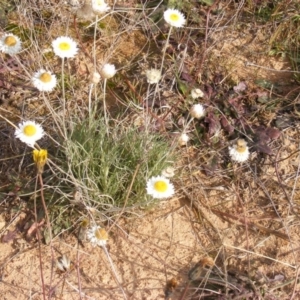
64 46
174 17
10 41
45 77
85 223
29 130
241 149
100 2
101 234
160 186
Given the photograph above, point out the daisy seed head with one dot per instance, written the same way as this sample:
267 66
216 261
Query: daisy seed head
174 17
153 76
160 187
197 111
108 71
44 81
10 44
183 139
64 47
29 132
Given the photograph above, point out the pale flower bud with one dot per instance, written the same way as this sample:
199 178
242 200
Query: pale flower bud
108 71
95 78
183 139
196 93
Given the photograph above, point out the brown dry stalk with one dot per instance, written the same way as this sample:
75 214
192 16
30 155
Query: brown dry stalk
251 225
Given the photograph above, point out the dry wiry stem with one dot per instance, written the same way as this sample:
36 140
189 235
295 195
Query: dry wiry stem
199 68
78 273
280 183
295 284
127 196
250 224
260 255
40 178
39 243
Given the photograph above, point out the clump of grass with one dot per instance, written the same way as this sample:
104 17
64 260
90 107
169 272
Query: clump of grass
113 168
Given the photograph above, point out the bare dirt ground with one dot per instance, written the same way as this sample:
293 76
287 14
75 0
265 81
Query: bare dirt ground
230 234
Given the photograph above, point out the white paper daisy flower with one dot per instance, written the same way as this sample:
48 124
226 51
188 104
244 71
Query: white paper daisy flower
108 71
197 111
153 76
29 132
196 93
64 47
99 6
44 81
160 187
240 151
10 44
174 17
97 236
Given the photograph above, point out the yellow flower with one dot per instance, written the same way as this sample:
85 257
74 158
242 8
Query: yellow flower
40 159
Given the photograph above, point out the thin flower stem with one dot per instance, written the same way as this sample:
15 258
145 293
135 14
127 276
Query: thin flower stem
104 106
63 95
165 50
114 271
94 44
95 68
90 100
47 220
162 63
39 242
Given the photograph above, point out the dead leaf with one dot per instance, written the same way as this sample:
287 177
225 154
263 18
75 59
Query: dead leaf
213 123
9 236
186 77
33 229
240 87
273 133
226 125
264 148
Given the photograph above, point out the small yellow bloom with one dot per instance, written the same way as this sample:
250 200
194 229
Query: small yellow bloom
40 159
